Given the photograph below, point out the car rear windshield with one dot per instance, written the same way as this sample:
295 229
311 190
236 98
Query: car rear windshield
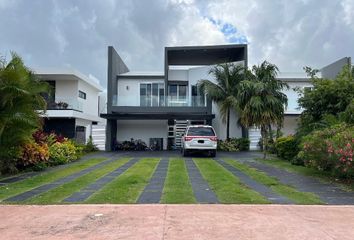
200 131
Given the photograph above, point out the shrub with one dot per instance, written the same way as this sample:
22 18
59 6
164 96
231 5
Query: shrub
90 147
314 147
243 144
340 149
61 153
286 147
32 154
234 145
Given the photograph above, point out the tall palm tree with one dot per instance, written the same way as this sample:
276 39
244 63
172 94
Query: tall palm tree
19 101
261 100
224 92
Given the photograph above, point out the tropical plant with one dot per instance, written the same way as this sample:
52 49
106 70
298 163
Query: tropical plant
261 100
20 101
327 97
224 92
61 153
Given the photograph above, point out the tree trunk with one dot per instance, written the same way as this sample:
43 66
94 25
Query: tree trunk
265 141
228 125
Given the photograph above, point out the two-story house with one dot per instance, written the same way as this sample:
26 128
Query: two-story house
156 107
73 103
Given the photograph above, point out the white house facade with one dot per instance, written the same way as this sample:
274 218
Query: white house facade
73 103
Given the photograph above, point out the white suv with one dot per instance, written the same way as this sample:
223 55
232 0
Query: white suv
199 137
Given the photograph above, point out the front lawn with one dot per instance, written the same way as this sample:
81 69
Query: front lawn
227 187
9 190
128 186
177 186
282 189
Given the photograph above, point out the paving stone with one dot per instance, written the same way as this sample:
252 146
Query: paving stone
86 192
153 191
328 193
256 186
46 187
201 189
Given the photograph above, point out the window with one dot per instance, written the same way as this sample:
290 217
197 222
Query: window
177 95
200 131
152 94
198 98
82 95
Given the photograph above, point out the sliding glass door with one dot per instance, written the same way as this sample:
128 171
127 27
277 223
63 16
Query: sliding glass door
152 94
177 95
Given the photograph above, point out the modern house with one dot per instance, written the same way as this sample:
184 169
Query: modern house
73 103
156 107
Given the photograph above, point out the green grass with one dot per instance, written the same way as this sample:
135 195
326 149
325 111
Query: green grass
128 186
282 189
320 175
56 195
227 187
177 187
9 190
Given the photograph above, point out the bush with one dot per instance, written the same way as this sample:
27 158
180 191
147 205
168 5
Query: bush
331 150
286 147
33 154
61 153
90 147
234 144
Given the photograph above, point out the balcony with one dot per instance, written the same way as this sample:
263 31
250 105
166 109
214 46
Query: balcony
161 101
65 104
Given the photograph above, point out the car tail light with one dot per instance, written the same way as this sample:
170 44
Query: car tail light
214 138
187 139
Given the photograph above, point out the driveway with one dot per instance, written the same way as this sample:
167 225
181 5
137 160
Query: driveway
177 222
160 177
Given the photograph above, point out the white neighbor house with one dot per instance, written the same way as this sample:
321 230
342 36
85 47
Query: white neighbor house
73 105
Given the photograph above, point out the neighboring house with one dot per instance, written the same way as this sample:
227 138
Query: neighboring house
156 107
73 103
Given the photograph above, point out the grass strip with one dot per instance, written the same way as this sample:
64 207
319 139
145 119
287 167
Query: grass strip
128 186
324 177
227 187
56 195
177 187
47 177
272 182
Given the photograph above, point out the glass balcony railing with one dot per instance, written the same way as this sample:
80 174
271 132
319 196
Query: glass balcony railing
65 104
151 101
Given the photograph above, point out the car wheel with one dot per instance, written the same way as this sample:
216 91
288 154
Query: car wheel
213 153
184 153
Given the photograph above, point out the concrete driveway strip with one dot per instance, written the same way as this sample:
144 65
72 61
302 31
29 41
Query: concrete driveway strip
254 185
177 222
153 191
201 189
46 187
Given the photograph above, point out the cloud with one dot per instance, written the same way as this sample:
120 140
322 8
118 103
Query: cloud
291 34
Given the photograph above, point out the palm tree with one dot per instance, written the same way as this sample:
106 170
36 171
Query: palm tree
19 101
224 92
261 101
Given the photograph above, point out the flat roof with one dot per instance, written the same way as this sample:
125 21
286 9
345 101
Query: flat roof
66 74
142 73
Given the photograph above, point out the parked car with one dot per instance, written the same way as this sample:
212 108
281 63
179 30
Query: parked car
199 138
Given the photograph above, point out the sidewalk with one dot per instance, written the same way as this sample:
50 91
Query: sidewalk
177 222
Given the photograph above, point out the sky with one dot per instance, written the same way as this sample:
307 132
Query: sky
76 33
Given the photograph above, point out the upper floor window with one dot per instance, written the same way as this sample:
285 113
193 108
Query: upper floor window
152 94
82 95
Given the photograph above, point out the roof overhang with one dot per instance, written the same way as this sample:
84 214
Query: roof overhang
158 116
205 55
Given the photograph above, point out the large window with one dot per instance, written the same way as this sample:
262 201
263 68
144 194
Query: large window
177 95
198 98
152 94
